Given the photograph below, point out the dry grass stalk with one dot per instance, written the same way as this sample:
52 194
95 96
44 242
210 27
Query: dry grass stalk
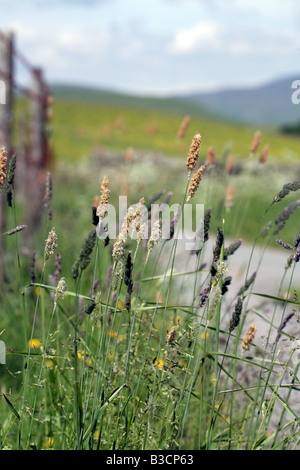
183 127
171 336
104 198
211 158
195 182
19 228
60 291
154 238
3 160
229 201
129 155
133 216
249 337
264 154
255 142
51 245
193 152
229 164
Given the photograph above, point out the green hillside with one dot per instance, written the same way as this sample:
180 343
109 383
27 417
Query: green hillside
82 124
104 97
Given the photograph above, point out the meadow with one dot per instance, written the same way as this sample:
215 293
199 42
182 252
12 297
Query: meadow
111 345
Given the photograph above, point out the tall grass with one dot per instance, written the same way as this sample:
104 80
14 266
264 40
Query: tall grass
119 349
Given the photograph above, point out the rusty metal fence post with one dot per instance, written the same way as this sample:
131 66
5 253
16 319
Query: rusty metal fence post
6 116
32 147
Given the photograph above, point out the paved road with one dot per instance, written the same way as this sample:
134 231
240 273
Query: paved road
270 270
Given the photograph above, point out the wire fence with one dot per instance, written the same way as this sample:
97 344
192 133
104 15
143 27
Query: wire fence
24 131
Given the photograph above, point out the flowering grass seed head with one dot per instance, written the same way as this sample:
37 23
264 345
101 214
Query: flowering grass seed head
204 296
154 238
83 258
193 154
218 244
183 127
235 319
249 337
266 229
12 170
195 182
229 165
226 283
171 336
229 201
19 228
247 284
222 269
255 142
232 248
210 159
117 273
213 305
3 159
287 188
264 154
60 290
104 198
51 244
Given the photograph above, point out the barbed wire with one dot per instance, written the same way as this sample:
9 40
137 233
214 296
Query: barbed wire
26 63
18 54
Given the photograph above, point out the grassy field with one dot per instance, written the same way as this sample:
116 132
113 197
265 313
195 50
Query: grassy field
79 127
106 355
86 134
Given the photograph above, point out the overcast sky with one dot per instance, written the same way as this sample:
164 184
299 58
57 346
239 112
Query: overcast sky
158 47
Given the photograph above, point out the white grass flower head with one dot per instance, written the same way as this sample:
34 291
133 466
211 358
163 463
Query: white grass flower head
154 238
222 269
60 291
51 244
118 248
104 198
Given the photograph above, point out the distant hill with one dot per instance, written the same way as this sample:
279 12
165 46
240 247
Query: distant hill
269 105
88 95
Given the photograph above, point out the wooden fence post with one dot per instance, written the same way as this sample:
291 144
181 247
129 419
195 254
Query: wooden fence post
6 68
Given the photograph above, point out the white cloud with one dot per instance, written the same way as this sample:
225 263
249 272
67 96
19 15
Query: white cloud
199 36
144 45
82 42
21 30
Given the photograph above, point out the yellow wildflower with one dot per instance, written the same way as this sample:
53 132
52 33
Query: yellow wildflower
110 355
38 291
49 442
112 333
49 364
81 354
34 343
160 363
